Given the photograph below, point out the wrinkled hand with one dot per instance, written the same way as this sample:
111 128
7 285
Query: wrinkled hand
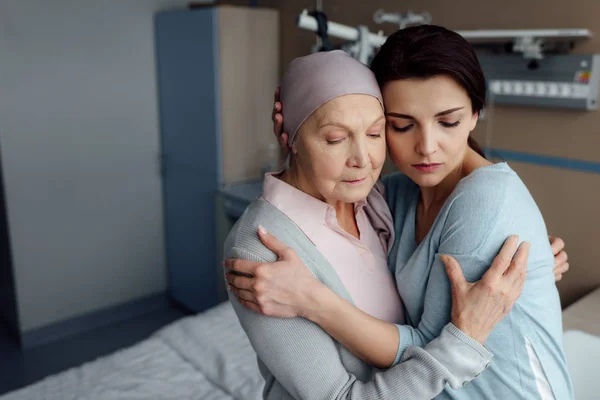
560 257
279 289
277 118
478 307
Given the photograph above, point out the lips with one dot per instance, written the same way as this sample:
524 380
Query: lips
427 167
355 181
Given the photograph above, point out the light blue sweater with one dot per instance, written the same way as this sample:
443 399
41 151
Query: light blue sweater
301 361
485 208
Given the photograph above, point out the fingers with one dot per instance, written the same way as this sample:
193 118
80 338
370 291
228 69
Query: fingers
276 115
238 281
278 124
246 295
503 259
454 272
560 258
513 280
560 261
560 270
283 141
250 306
557 245
241 266
277 118
517 271
272 243
276 112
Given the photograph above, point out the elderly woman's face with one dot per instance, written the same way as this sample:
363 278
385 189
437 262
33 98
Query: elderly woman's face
340 149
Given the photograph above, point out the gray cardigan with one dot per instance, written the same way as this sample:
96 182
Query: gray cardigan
301 361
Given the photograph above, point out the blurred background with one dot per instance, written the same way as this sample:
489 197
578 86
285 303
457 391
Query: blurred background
133 133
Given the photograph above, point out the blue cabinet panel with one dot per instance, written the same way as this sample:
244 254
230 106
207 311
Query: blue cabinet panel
187 64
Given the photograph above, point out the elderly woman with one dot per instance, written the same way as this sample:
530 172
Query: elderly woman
324 207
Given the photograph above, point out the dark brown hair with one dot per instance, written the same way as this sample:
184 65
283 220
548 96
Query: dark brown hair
426 51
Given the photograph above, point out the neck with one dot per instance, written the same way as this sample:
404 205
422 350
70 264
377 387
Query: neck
433 196
344 212
293 178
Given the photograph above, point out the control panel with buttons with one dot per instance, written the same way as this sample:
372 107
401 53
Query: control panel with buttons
563 81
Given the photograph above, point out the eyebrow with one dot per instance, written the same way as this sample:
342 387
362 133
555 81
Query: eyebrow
406 116
346 127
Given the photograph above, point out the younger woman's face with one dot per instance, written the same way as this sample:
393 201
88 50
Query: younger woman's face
428 122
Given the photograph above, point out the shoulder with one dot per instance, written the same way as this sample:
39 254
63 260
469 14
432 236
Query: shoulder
243 241
485 188
477 204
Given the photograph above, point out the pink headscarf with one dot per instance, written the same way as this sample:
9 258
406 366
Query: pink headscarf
312 81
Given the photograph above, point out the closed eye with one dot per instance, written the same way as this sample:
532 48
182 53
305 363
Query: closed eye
335 141
402 129
450 124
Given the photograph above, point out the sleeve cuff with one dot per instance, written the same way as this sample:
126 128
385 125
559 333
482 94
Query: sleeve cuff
398 352
405 341
469 341
462 356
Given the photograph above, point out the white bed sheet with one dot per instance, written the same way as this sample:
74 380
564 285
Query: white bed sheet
206 356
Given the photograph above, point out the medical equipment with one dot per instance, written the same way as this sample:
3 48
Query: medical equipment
565 80
402 20
532 43
522 67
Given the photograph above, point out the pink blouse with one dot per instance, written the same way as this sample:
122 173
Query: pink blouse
361 264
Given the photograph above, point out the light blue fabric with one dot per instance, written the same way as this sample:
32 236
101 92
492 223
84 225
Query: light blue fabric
485 208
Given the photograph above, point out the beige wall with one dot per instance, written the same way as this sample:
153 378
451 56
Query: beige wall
569 200
249 34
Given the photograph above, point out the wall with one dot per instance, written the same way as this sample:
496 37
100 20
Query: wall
568 199
79 142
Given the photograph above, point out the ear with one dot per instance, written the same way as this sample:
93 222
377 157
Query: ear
474 119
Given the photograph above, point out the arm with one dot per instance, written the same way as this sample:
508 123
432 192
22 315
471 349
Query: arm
480 306
372 340
306 361
359 329
474 229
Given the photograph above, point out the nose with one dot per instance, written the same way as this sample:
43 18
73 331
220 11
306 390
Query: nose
426 144
359 154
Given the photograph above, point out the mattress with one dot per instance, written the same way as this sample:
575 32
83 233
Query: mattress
206 356
583 351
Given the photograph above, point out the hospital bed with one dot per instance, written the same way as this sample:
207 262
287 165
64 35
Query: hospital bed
581 323
208 356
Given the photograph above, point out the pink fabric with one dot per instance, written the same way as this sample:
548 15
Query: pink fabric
361 263
313 80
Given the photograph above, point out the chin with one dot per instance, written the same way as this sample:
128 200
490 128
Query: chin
426 180
357 194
